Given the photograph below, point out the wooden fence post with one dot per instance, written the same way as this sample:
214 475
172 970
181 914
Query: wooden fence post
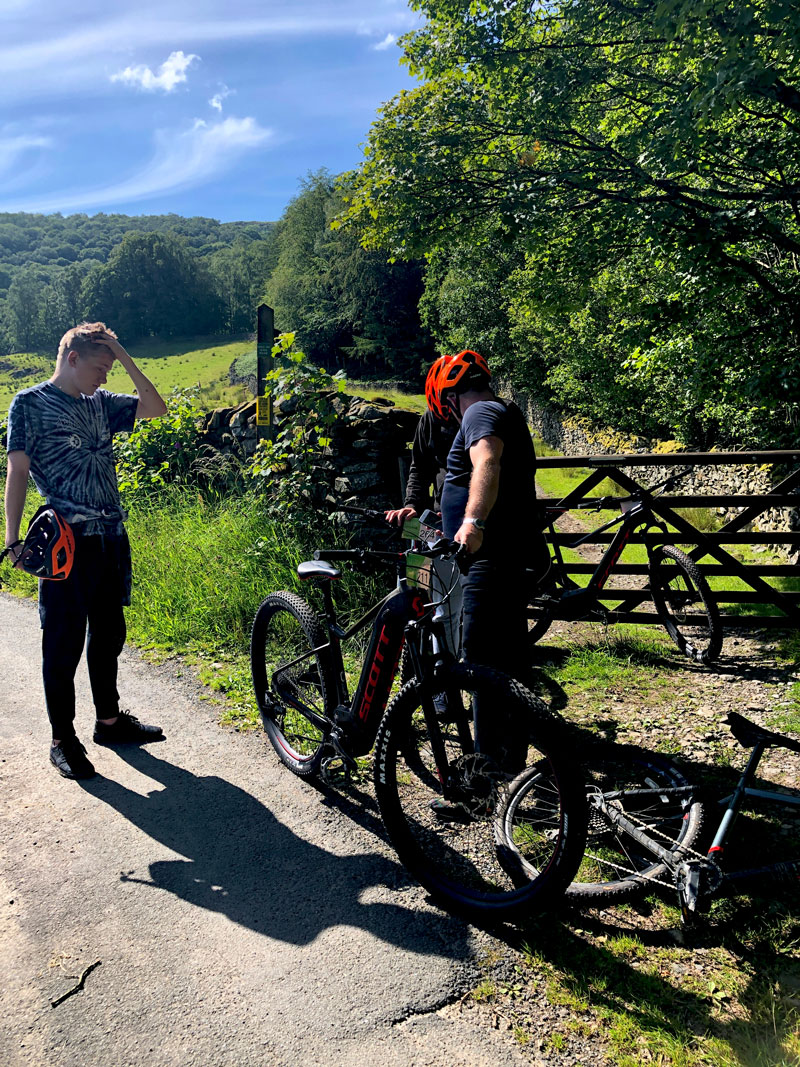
265 340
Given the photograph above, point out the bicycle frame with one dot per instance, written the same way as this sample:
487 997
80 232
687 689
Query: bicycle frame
702 877
635 515
395 618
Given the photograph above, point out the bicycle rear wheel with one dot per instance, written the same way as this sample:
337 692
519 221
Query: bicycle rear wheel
453 847
684 602
293 700
615 867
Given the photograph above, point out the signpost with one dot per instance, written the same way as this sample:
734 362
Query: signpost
265 341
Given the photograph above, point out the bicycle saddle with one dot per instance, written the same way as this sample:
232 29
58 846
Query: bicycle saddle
749 734
318 568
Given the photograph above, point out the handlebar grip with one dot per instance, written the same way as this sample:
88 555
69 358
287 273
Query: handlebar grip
337 553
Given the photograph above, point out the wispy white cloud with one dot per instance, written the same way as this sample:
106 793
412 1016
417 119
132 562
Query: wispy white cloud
181 161
171 73
52 59
217 98
14 146
387 42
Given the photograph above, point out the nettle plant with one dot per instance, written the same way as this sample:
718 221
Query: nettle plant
283 468
161 452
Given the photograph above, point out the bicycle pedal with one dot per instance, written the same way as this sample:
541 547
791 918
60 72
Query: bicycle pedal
335 770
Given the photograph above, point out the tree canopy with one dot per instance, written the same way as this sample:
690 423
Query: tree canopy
350 308
624 181
160 275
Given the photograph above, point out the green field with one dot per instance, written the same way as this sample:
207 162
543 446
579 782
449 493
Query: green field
200 362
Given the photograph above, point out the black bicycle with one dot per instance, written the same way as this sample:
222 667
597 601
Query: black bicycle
679 591
437 795
645 818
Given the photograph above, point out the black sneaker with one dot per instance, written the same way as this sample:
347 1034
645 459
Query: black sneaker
127 730
69 759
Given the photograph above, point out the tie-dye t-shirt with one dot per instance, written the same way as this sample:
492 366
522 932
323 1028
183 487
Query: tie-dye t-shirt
68 441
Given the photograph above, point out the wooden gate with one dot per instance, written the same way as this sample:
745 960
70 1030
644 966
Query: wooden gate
708 550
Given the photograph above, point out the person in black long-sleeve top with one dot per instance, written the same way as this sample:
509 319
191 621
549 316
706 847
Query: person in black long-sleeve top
429 450
430 447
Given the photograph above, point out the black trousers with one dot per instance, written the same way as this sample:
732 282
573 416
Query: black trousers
90 599
494 634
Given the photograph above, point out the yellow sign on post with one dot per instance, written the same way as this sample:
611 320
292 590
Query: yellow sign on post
264 411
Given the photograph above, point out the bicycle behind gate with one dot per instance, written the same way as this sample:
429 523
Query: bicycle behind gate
680 593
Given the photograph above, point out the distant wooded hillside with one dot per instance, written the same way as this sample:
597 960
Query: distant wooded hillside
57 241
165 277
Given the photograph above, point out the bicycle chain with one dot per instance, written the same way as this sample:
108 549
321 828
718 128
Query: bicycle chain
680 847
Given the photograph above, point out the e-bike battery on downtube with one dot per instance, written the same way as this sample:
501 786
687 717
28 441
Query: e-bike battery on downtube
383 655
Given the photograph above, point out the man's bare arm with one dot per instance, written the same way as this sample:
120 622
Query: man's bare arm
483 486
151 405
19 466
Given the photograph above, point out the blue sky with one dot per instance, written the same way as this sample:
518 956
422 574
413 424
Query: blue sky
199 107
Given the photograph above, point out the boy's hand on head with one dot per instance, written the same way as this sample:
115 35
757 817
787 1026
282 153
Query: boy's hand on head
109 339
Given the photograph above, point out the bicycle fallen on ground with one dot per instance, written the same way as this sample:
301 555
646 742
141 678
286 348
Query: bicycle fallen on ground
645 819
425 762
680 593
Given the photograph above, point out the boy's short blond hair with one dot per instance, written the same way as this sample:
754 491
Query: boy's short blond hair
83 338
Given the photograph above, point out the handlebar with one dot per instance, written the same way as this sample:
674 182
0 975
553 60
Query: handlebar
442 547
604 503
368 513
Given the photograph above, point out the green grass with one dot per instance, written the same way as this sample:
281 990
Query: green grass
409 401
724 1006
38 367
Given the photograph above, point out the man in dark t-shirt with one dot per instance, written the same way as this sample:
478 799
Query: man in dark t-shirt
489 505
60 433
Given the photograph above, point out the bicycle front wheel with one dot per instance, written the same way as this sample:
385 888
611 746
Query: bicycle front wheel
684 603
443 821
615 866
293 697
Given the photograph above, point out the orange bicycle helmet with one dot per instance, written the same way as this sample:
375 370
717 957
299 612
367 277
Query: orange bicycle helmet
431 396
48 550
466 370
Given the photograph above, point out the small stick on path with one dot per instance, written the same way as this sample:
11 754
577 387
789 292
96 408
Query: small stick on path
76 988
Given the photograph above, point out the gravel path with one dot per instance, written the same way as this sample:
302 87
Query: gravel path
239 916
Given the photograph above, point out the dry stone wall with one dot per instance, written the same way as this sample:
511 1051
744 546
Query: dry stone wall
365 464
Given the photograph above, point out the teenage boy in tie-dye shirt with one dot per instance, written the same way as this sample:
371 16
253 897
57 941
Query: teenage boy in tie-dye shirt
60 433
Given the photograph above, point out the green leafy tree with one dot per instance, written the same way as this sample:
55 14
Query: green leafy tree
152 286
350 307
240 273
25 307
644 158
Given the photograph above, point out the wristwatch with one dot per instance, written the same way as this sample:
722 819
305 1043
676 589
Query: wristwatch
479 524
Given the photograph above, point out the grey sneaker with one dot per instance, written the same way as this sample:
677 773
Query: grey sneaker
127 730
70 760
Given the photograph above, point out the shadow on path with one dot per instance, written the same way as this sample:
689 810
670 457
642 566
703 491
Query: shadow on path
243 862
